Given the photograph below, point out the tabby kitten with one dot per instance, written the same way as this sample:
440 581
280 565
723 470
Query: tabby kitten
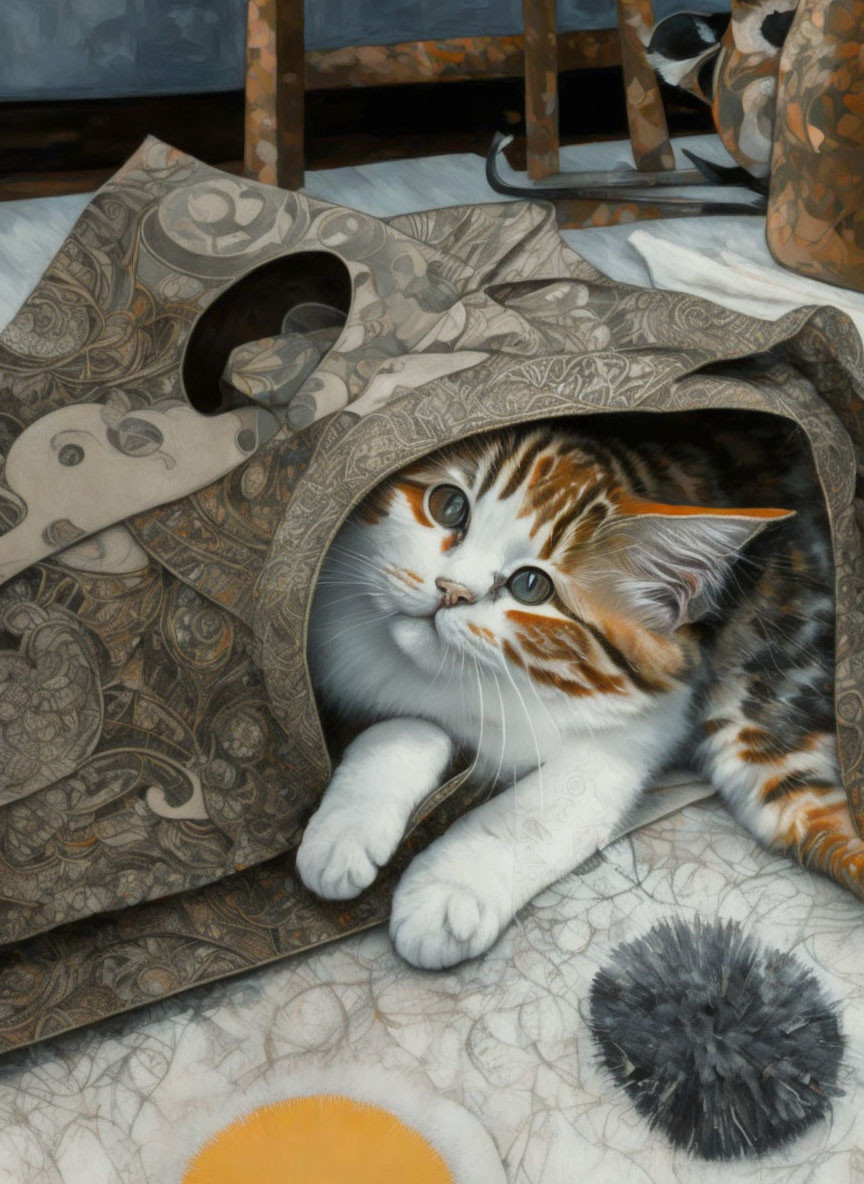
577 612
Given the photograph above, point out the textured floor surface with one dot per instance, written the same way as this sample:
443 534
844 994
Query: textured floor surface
505 1036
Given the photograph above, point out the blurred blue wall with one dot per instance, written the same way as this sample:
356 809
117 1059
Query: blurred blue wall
83 48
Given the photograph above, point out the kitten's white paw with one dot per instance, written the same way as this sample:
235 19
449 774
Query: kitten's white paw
339 857
440 917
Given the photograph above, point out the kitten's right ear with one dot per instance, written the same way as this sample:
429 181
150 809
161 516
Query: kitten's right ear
674 559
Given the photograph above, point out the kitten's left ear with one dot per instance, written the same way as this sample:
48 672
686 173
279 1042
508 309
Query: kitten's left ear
676 557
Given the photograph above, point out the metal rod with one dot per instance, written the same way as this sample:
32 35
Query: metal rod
623 179
675 204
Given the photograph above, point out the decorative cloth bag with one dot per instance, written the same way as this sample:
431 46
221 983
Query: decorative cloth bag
731 64
816 207
785 82
160 748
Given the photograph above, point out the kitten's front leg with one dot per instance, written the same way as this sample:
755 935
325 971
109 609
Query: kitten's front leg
457 896
385 772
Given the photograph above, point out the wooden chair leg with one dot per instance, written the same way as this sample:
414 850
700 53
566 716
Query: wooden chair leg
649 134
541 87
275 92
290 93
259 139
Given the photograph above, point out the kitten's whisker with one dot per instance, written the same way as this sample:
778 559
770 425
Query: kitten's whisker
351 564
497 683
482 716
350 596
344 555
548 713
462 680
530 726
348 557
341 549
328 580
424 698
366 620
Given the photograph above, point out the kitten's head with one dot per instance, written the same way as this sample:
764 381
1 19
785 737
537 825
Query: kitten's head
531 549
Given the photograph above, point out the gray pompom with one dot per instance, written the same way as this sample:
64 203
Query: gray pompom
728 1047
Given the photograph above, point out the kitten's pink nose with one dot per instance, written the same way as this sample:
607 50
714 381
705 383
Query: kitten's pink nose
453 593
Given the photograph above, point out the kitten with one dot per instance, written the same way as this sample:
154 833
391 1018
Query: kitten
576 612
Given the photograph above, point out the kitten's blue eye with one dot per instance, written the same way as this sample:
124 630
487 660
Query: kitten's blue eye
530 585
448 505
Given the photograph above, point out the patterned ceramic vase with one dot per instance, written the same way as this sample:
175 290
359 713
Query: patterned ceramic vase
745 80
732 65
816 208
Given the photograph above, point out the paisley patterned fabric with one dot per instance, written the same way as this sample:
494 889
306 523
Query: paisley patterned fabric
208 377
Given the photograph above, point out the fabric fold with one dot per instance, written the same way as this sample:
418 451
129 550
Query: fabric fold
160 746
